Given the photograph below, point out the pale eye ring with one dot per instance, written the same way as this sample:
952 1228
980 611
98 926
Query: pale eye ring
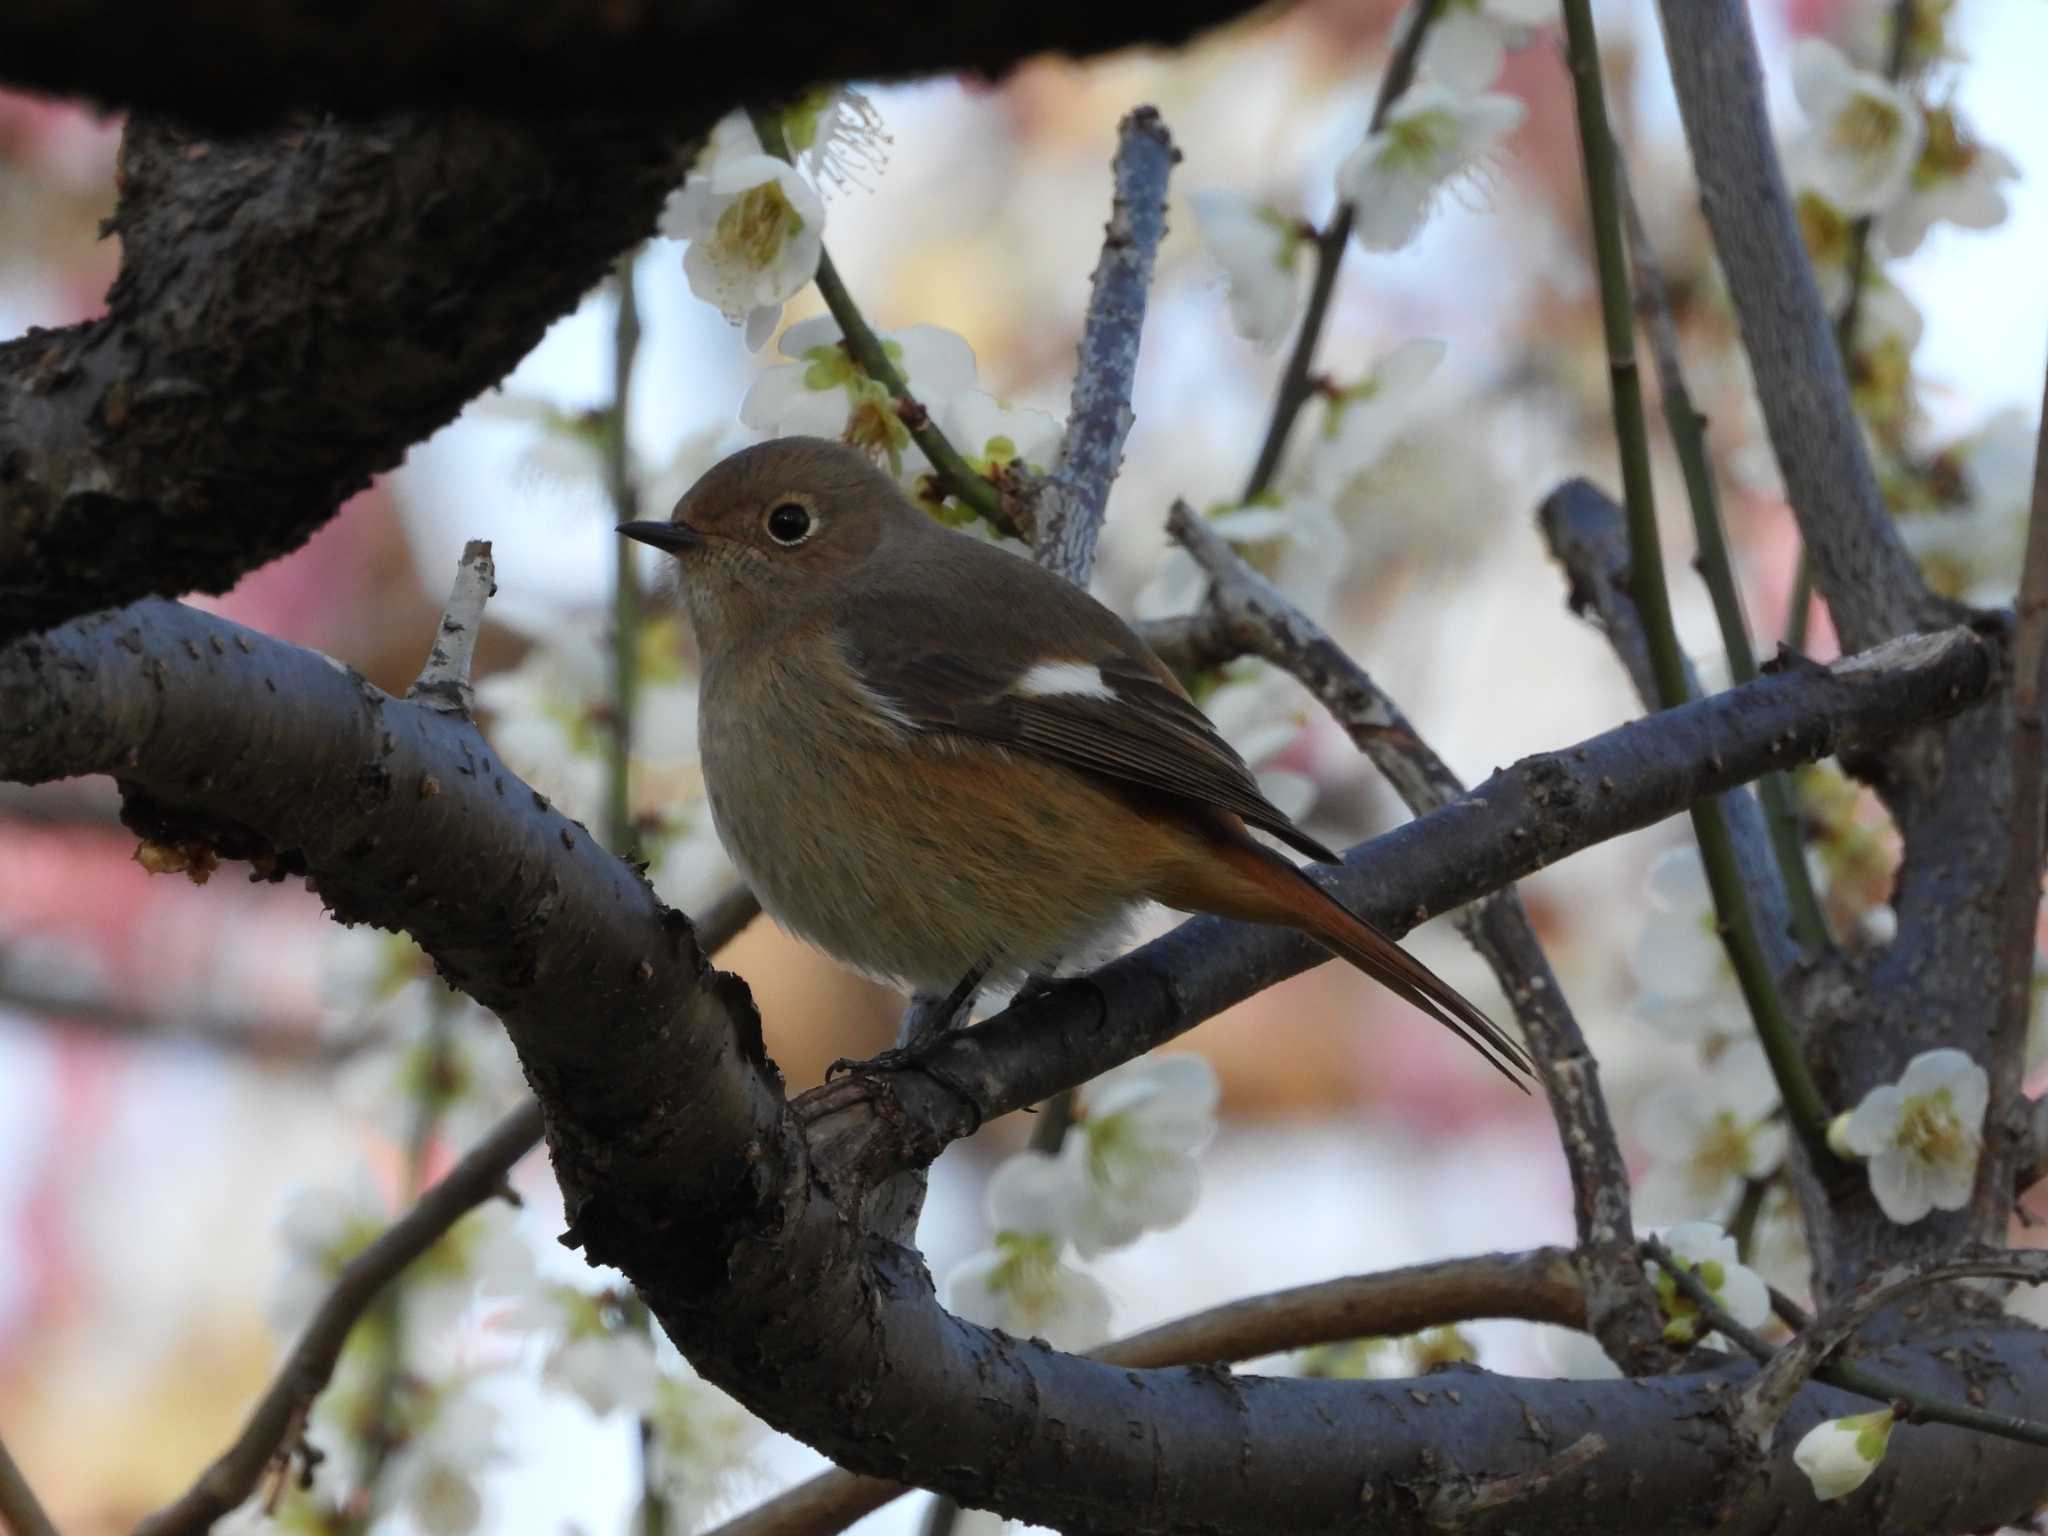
789 523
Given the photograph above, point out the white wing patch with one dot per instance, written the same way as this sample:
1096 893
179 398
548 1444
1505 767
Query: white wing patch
1063 679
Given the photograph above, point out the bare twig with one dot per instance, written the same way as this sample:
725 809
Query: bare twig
1688 429
1538 1286
443 682
1920 1408
1739 931
21 1512
309 1366
481 1174
1297 383
1254 617
1069 505
2005 1124
1765 1399
624 492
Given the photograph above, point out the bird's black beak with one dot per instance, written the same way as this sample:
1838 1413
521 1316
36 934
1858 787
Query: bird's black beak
675 538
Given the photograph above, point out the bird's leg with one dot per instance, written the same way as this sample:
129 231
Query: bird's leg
923 1023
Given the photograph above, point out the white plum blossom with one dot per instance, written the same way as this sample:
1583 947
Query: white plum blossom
836 135
1472 39
1957 181
1863 133
1920 1136
1973 550
321 1229
825 393
1259 710
1356 423
1710 1253
1709 1134
1838 1455
434 1474
1022 1284
700 1439
1686 985
436 1054
1131 1152
592 1352
755 229
1433 137
1259 249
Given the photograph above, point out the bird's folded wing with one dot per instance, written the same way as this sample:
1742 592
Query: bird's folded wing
1115 717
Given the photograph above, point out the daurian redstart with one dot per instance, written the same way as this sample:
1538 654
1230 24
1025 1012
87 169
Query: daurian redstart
938 762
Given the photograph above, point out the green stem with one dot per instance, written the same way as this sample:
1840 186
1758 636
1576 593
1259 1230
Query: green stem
1688 430
1646 582
976 491
1296 381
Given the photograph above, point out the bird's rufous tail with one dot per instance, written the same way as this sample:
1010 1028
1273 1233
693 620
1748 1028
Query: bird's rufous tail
1243 879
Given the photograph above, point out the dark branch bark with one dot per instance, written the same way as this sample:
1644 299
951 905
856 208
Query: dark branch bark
1872 586
680 1162
298 306
243 61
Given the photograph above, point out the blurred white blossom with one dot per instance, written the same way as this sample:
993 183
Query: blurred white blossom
434 1473
1973 550
436 1055
1863 134
1433 137
1354 425
1709 1133
836 135
1022 1283
1471 39
825 393
320 1229
1710 1253
1686 985
1132 1149
1920 1136
1838 1455
1259 249
701 1440
755 228
1957 181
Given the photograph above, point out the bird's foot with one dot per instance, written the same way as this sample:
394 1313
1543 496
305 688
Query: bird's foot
895 1059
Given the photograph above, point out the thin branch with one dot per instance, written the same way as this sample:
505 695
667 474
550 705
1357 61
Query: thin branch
1803 1103
1688 429
624 491
259 1039
975 490
20 1510
1538 1286
1920 1406
1765 1399
1297 383
443 683
1256 618
1069 506
1872 586
310 1365
481 1174
2020 895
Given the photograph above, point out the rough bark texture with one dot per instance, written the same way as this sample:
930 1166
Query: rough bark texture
243 61
299 305
744 1227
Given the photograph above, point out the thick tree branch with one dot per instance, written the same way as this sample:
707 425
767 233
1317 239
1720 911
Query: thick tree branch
680 1163
241 61
1069 505
1253 617
299 306
1872 586
1539 1286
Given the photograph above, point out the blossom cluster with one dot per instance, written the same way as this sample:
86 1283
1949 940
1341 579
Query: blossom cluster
1126 1167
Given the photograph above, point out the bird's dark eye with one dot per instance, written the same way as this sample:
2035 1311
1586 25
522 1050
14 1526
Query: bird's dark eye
789 522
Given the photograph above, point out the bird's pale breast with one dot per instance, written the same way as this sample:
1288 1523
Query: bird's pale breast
910 857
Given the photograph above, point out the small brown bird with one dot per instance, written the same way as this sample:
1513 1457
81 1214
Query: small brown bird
939 763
